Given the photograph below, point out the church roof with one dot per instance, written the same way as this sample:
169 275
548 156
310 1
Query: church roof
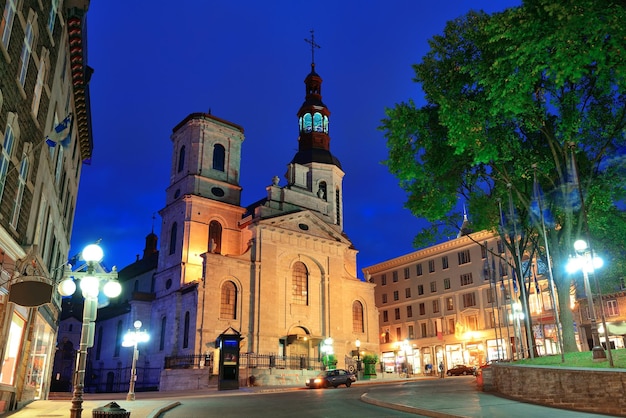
315 155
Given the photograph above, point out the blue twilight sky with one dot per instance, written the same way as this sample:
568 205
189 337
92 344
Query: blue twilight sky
156 62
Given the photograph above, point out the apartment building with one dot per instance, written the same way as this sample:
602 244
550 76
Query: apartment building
456 303
45 134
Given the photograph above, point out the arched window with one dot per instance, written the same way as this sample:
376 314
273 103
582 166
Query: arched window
228 303
186 331
300 284
357 317
118 339
317 122
325 124
215 237
181 159
321 191
173 238
219 156
162 340
308 123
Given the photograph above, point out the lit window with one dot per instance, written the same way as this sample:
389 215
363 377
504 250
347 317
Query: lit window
357 317
300 284
228 301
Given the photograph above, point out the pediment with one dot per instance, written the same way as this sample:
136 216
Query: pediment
305 223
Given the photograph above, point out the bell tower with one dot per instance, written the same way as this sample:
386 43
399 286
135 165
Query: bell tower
314 169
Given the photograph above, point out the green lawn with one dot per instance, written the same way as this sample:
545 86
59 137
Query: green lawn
582 359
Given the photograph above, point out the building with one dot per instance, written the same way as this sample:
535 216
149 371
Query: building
455 303
281 272
45 128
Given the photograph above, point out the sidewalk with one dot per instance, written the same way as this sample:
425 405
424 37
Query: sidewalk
450 397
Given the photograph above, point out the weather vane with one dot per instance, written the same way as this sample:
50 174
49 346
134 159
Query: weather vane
313 46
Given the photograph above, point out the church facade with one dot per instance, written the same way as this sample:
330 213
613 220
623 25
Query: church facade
281 271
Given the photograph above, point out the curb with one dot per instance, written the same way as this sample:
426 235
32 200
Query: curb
409 409
164 408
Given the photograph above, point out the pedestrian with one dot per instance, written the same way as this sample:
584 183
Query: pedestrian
441 369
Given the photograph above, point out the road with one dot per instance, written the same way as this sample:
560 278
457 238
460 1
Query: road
315 403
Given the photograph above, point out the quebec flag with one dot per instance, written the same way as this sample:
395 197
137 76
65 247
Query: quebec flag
61 134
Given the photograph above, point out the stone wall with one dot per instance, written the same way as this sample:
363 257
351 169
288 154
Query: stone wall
582 389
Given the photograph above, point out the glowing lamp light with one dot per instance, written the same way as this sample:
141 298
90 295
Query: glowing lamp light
67 287
89 285
112 289
93 253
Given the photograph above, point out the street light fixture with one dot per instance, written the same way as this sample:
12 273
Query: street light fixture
357 343
587 264
89 285
131 339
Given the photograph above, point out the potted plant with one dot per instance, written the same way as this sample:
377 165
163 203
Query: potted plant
369 365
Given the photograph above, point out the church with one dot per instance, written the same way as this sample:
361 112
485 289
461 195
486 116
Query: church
281 272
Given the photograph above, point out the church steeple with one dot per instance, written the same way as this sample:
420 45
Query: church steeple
313 120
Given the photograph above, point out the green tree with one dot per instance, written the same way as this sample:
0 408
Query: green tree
534 95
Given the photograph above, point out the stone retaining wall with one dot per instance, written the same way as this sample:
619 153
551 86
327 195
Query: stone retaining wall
600 391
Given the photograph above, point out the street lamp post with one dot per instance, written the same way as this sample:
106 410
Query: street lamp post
357 343
89 285
586 263
131 339
517 315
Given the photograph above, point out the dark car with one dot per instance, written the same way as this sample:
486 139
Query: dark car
331 378
460 369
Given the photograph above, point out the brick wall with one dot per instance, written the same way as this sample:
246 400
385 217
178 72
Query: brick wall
590 390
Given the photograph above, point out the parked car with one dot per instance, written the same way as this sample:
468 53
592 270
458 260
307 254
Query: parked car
332 378
460 369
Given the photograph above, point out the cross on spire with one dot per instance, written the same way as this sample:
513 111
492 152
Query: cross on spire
313 46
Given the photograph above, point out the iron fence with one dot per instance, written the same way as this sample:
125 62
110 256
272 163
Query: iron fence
248 360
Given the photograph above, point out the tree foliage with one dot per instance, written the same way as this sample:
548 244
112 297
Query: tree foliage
530 98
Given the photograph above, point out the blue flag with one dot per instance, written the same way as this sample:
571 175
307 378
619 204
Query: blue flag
514 275
61 134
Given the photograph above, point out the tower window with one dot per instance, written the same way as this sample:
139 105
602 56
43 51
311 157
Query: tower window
325 124
219 157
317 122
321 191
181 159
338 206
215 237
308 123
173 232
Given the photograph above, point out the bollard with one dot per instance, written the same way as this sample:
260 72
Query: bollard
110 410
